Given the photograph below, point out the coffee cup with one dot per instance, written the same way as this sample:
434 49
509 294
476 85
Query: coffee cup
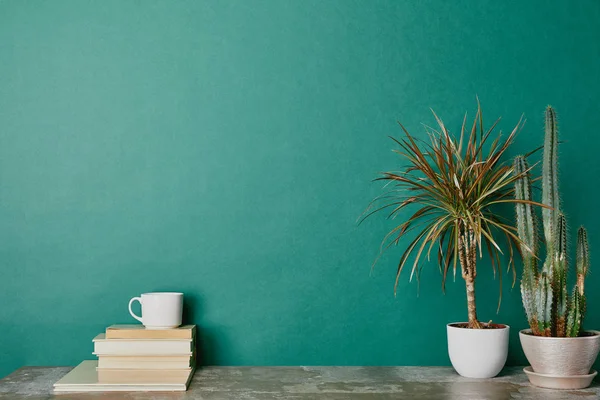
160 310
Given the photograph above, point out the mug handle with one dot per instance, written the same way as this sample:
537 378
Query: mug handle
131 312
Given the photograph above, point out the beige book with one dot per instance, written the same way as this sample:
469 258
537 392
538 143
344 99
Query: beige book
84 378
140 332
116 347
142 375
146 362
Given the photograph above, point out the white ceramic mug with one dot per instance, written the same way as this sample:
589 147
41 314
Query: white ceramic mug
160 310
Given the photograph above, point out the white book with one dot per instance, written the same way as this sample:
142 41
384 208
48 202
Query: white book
146 362
84 378
103 346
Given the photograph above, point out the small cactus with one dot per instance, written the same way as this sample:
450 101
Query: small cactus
560 276
543 304
550 310
583 258
575 318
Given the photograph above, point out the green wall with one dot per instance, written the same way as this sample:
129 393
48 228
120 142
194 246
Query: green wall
225 149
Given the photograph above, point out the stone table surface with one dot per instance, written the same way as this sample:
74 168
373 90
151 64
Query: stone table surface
303 383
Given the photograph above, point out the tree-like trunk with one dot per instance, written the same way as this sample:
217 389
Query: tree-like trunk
467 251
472 310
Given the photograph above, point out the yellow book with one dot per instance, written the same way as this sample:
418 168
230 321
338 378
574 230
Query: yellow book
140 332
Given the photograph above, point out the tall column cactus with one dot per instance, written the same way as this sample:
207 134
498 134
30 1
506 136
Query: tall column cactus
550 180
550 311
527 230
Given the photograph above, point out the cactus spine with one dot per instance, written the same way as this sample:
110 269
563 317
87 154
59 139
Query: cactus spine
550 310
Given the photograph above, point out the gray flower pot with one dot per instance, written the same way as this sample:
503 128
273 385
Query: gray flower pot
561 356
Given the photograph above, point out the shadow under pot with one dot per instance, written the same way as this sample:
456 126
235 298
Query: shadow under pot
559 362
478 353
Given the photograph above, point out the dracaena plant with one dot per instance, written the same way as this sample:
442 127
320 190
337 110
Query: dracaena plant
457 184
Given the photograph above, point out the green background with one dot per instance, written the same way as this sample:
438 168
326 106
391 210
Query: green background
225 149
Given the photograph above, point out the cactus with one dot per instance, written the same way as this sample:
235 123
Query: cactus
575 315
527 230
544 297
559 283
550 310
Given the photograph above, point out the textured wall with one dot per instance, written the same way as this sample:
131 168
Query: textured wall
225 149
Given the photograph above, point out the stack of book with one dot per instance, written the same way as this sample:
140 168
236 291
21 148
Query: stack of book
131 353
131 357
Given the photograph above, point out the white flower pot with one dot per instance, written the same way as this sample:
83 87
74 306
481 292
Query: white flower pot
477 353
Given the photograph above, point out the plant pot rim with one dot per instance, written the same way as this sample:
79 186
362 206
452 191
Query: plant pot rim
497 326
593 335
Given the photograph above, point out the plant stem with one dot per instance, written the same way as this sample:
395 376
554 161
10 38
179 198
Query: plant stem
473 322
467 251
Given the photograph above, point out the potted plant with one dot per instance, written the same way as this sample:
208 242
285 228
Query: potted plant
560 352
457 183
